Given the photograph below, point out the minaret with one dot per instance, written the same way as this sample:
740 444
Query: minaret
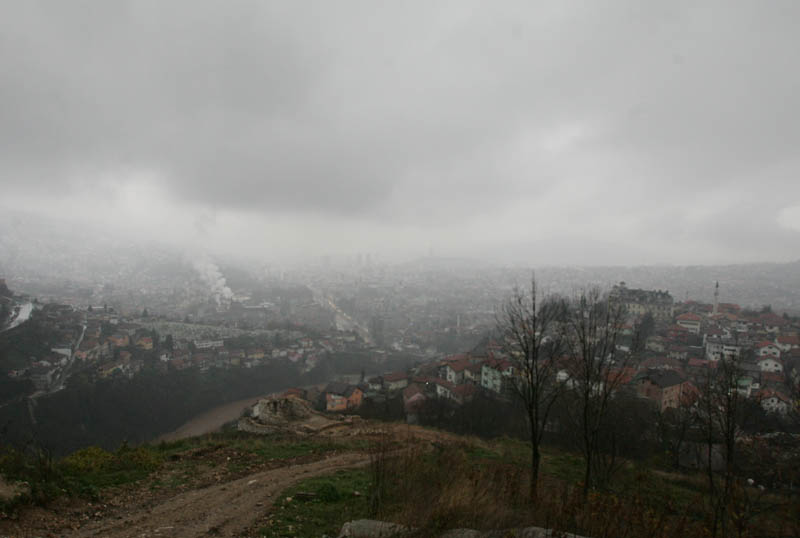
716 299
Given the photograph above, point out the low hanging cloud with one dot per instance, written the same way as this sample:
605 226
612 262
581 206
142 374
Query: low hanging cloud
659 130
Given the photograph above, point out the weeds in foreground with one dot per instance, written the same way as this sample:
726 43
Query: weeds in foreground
83 473
319 506
88 471
435 488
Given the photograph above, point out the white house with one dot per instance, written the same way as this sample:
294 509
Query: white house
444 389
689 321
395 381
774 402
770 364
717 348
768 349
493 372
208 344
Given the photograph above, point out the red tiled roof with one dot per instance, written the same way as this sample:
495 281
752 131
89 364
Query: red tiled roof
474 368
789 339
459 365
395 376
772 319
774 377
445 383
769 393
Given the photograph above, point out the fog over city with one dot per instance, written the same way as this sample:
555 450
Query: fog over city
367 268
602 133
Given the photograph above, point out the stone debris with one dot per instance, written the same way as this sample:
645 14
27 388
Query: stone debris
369 528
290 414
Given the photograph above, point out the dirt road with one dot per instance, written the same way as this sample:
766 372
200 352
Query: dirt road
226 509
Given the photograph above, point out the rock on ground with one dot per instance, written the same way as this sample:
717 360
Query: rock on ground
368 528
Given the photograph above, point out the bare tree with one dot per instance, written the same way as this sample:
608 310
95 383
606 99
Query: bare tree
533 338
721 413
673 427
596 372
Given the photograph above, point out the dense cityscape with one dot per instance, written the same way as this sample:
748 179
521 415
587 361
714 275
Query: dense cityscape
452 269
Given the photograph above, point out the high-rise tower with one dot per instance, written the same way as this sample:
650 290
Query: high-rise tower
716 298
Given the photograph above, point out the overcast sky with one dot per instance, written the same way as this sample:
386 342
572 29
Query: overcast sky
540 132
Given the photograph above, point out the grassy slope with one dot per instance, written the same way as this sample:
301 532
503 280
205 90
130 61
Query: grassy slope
466 483
93 473
483 485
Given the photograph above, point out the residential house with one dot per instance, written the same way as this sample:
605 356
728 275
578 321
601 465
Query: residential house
772 322
472 374
666 388
375 383
746 385
689 321
413 399
770 364
773 401
445 389
395 381
342 396
718 348
455 371
208 344
767 349
495 374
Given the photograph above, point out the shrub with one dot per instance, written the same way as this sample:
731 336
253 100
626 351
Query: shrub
328 493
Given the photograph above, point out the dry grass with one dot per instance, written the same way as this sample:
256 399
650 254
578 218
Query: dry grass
435 487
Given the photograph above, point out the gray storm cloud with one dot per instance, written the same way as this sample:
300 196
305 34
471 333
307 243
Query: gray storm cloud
638 125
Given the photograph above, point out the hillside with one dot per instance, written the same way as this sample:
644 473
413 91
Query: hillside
238 484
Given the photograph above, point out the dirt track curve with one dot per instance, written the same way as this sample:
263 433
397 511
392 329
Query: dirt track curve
226 509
